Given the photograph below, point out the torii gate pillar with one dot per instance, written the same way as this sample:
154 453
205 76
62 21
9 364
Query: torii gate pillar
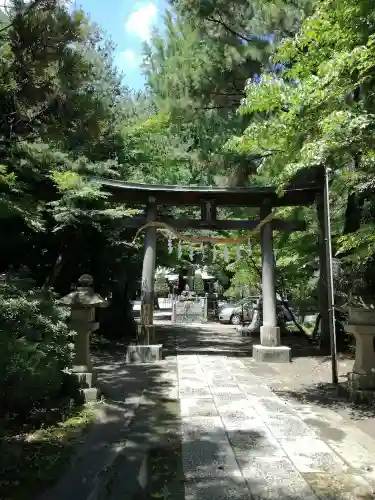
269 349
146 327
145 350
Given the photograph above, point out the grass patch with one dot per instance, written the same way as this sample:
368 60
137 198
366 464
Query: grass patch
30 462
308 327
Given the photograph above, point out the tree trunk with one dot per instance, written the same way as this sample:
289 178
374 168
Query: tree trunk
51 278
353 213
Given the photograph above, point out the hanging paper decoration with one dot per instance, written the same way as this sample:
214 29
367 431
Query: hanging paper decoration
179 250
226 254
170 245
214 254
238 254
191 254
249 249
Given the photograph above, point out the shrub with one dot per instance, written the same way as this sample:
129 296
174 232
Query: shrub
161 286
34 349
198 284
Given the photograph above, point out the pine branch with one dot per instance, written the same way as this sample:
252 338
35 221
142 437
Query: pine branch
231 105
27 11
228 28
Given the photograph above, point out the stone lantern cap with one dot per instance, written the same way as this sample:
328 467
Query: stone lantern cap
84 296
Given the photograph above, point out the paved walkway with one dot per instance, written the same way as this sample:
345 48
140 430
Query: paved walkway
239 438
242 441
217 430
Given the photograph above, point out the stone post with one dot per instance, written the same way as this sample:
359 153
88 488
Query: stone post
83 302
190 277
174 301
270 348
361 381
205 308
146 350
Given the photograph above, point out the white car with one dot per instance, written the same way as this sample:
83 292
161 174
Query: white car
239 312
242 311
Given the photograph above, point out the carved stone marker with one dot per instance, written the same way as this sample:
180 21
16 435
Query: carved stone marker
83 302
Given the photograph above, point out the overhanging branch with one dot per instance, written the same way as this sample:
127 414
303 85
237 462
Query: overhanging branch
27 10
228 28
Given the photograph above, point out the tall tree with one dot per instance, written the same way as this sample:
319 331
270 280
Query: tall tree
199 68
319 113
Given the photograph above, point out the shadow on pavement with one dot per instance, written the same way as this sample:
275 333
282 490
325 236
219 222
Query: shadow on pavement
142 418
211 471
330 396
220 340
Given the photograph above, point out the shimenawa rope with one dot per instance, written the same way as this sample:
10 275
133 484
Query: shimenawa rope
202 239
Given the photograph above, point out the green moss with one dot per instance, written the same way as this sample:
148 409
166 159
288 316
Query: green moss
31 462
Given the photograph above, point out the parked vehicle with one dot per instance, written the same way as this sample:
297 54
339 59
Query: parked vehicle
219 305
242 311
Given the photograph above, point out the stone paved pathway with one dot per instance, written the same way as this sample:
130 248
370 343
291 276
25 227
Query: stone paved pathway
217 430
241 441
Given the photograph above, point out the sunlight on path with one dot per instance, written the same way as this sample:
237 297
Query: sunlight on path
241 441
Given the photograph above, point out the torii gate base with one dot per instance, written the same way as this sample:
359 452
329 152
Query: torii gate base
269 354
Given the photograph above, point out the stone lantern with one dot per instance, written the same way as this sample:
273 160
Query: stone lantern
361 324
83 302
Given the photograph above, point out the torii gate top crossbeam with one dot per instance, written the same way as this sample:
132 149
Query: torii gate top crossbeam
194 195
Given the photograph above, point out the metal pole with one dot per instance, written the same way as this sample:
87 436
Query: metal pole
242 296
331 292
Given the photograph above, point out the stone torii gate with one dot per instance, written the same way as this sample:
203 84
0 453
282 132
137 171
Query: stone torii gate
209 198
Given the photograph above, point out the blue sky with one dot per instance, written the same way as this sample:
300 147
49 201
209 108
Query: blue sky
129 23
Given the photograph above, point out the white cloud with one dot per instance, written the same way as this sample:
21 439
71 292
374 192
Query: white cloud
128 59
140 21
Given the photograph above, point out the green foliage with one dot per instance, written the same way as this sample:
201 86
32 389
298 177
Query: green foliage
153 151
310 116
198 284
161 285
63 107
319 113
34 349
198 69
31 462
